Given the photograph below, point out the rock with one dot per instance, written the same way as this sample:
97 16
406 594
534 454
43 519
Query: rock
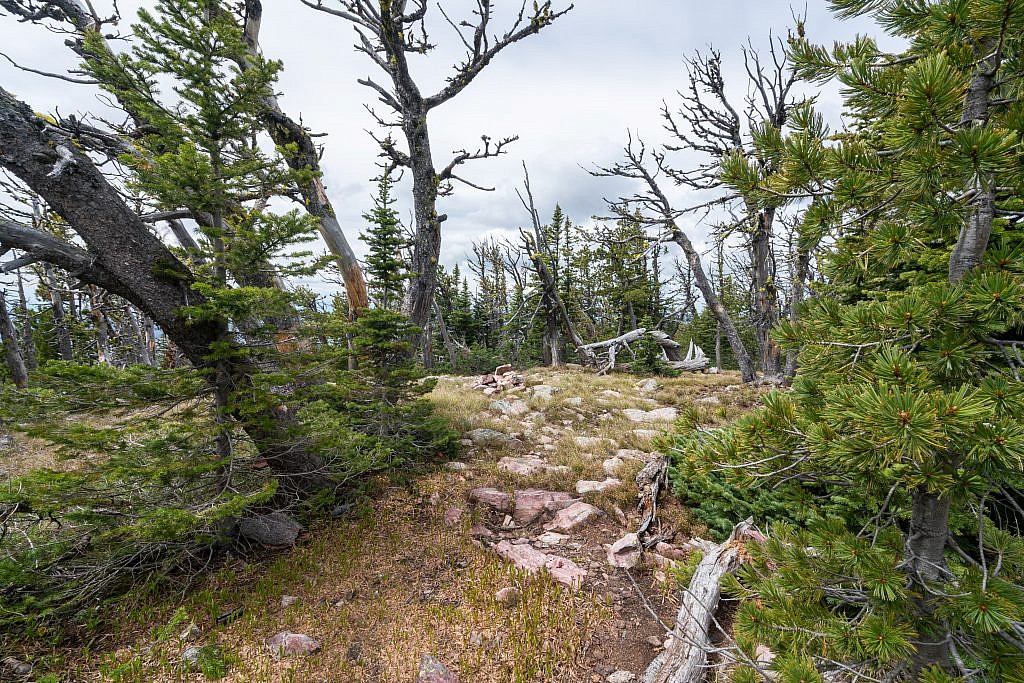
646 433
456 466
490 391
191 633
625 552
667 414
647 386
481 532
190 657
16 666
593 442
552 538
6 444
621 677
433 671
630 454
528 465
574 401
487 379
545 391
670 551
586 486
288 644
508 596
712 370
274 529
611 393
653 641
487 437
532 560
532 503
502 370
710 400
512 408
288 600
544 439
452 517
572 517
612 465
492 498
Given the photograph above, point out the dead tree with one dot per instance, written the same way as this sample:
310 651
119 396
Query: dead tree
28 339
12 353
388 32
651 206
536 246
708 122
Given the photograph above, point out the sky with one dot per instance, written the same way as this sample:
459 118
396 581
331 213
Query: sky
570 93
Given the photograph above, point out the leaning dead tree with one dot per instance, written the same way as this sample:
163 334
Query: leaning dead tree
388 32
651 206
88 40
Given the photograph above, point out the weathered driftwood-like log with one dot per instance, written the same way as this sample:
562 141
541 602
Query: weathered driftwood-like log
694 361
685 657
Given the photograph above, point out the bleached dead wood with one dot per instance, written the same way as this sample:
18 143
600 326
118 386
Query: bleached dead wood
694 361
685 657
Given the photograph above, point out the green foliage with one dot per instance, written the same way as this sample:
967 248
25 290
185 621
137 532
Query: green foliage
385 266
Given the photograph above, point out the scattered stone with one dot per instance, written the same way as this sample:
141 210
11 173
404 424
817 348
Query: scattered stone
545 391
668 414
528 465
566 571
532 503
621 677
487 437
544 439
274 529
654 641
593 442
670 551
433 671
191 633
511 408
710 400
552 538
481 532
647 386
586 486
456 466
625 552
611 393
492 498
612 465
502 370
532 560
487 379
508 596
190 657
574 401
507 522
288 600
646 433
16 666
630 454
712 370
288 644
452 517
572 517
490 391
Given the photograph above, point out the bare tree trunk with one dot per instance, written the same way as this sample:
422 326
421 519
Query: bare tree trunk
427 247
801 269
28 339
766 300
60 326
9 337
450 345
739 350
100 322
139 339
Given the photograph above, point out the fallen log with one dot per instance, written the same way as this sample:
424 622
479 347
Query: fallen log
685 657
694 361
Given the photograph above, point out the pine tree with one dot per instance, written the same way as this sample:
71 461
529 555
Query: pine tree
384 237
905 418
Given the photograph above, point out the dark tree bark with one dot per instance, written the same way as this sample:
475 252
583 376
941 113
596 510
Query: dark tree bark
60 325
123 257
388 32
12 354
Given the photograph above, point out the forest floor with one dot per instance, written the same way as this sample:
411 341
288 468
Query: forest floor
417 570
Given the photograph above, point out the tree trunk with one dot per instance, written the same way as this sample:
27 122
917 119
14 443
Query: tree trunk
714 303
60 326
427 246
139 340
9 337
28 339
102 330
796 297
766 300
926 565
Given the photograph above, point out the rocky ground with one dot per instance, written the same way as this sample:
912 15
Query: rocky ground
516 563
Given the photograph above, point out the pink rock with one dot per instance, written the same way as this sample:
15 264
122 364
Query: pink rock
492 498
586 486
670 551
527 465
487 379
502 369
287 644
625 552
532 503
566 571
532 560
481 532
571 517
452 517
433 671
508 596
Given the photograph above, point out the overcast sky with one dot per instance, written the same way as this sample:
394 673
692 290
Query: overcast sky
570 93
